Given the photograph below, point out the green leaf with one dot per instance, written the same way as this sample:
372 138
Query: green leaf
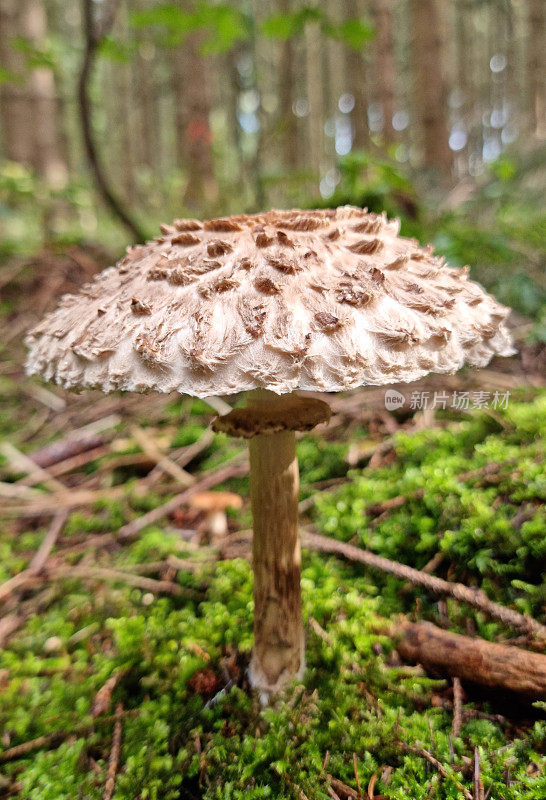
114 50
8 76
280 26
35 57
354 32
166 15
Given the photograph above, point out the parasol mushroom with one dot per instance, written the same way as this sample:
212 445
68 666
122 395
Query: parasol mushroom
214 505
269 304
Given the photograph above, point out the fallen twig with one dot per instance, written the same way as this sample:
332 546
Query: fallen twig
438 766
76 442
437 586
103 698
55 738
207 481
457 707
472 658
22 463
36 565
478 783
48 543
113 761
163 462
120 576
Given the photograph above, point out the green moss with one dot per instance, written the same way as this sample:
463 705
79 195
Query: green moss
180 745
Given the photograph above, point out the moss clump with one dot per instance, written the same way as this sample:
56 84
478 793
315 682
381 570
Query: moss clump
197 733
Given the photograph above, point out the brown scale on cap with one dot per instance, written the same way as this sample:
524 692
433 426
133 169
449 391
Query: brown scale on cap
185 239
285 299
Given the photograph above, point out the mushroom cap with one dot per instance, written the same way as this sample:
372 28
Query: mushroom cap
322 300
215 501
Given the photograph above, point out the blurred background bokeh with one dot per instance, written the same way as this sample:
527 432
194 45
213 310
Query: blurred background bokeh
431 109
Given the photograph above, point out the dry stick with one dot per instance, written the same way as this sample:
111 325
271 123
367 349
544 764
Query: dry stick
338 786
478 783
72 463
186 454
393 503
457 707
23 463
355 769
233 470
9 625
48 542
103 698
420 751
75 444
437 586
52 739
39 560
113 762
165 464
472 658
12 622
120 576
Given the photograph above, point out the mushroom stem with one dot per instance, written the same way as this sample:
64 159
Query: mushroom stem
278 655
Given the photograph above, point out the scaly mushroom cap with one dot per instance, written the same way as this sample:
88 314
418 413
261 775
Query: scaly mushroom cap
319 300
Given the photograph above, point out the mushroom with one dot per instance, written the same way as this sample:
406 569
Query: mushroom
270 304
215 505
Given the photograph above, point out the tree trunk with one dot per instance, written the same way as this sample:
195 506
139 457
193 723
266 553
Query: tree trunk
278 655
289 123
356 80
430 90
473 659
197 136
145 92
536 66
313 68
29 108
47 158
15 102
384 65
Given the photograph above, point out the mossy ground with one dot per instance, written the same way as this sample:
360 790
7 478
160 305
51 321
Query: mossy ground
197 732
192 729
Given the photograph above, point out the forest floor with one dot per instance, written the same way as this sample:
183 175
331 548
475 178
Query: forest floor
124 638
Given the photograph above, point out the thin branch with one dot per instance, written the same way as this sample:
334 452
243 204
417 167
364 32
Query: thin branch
110 783
438 766
436 586
213 478
55 738
457 707
94 33
48 543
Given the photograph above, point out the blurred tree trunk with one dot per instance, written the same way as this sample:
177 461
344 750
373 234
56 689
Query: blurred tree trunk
48 160
384 65
126 107
289 122
357 85
430 90
29 103
14 97
313 69
144 91
178 77
536 65
192 99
